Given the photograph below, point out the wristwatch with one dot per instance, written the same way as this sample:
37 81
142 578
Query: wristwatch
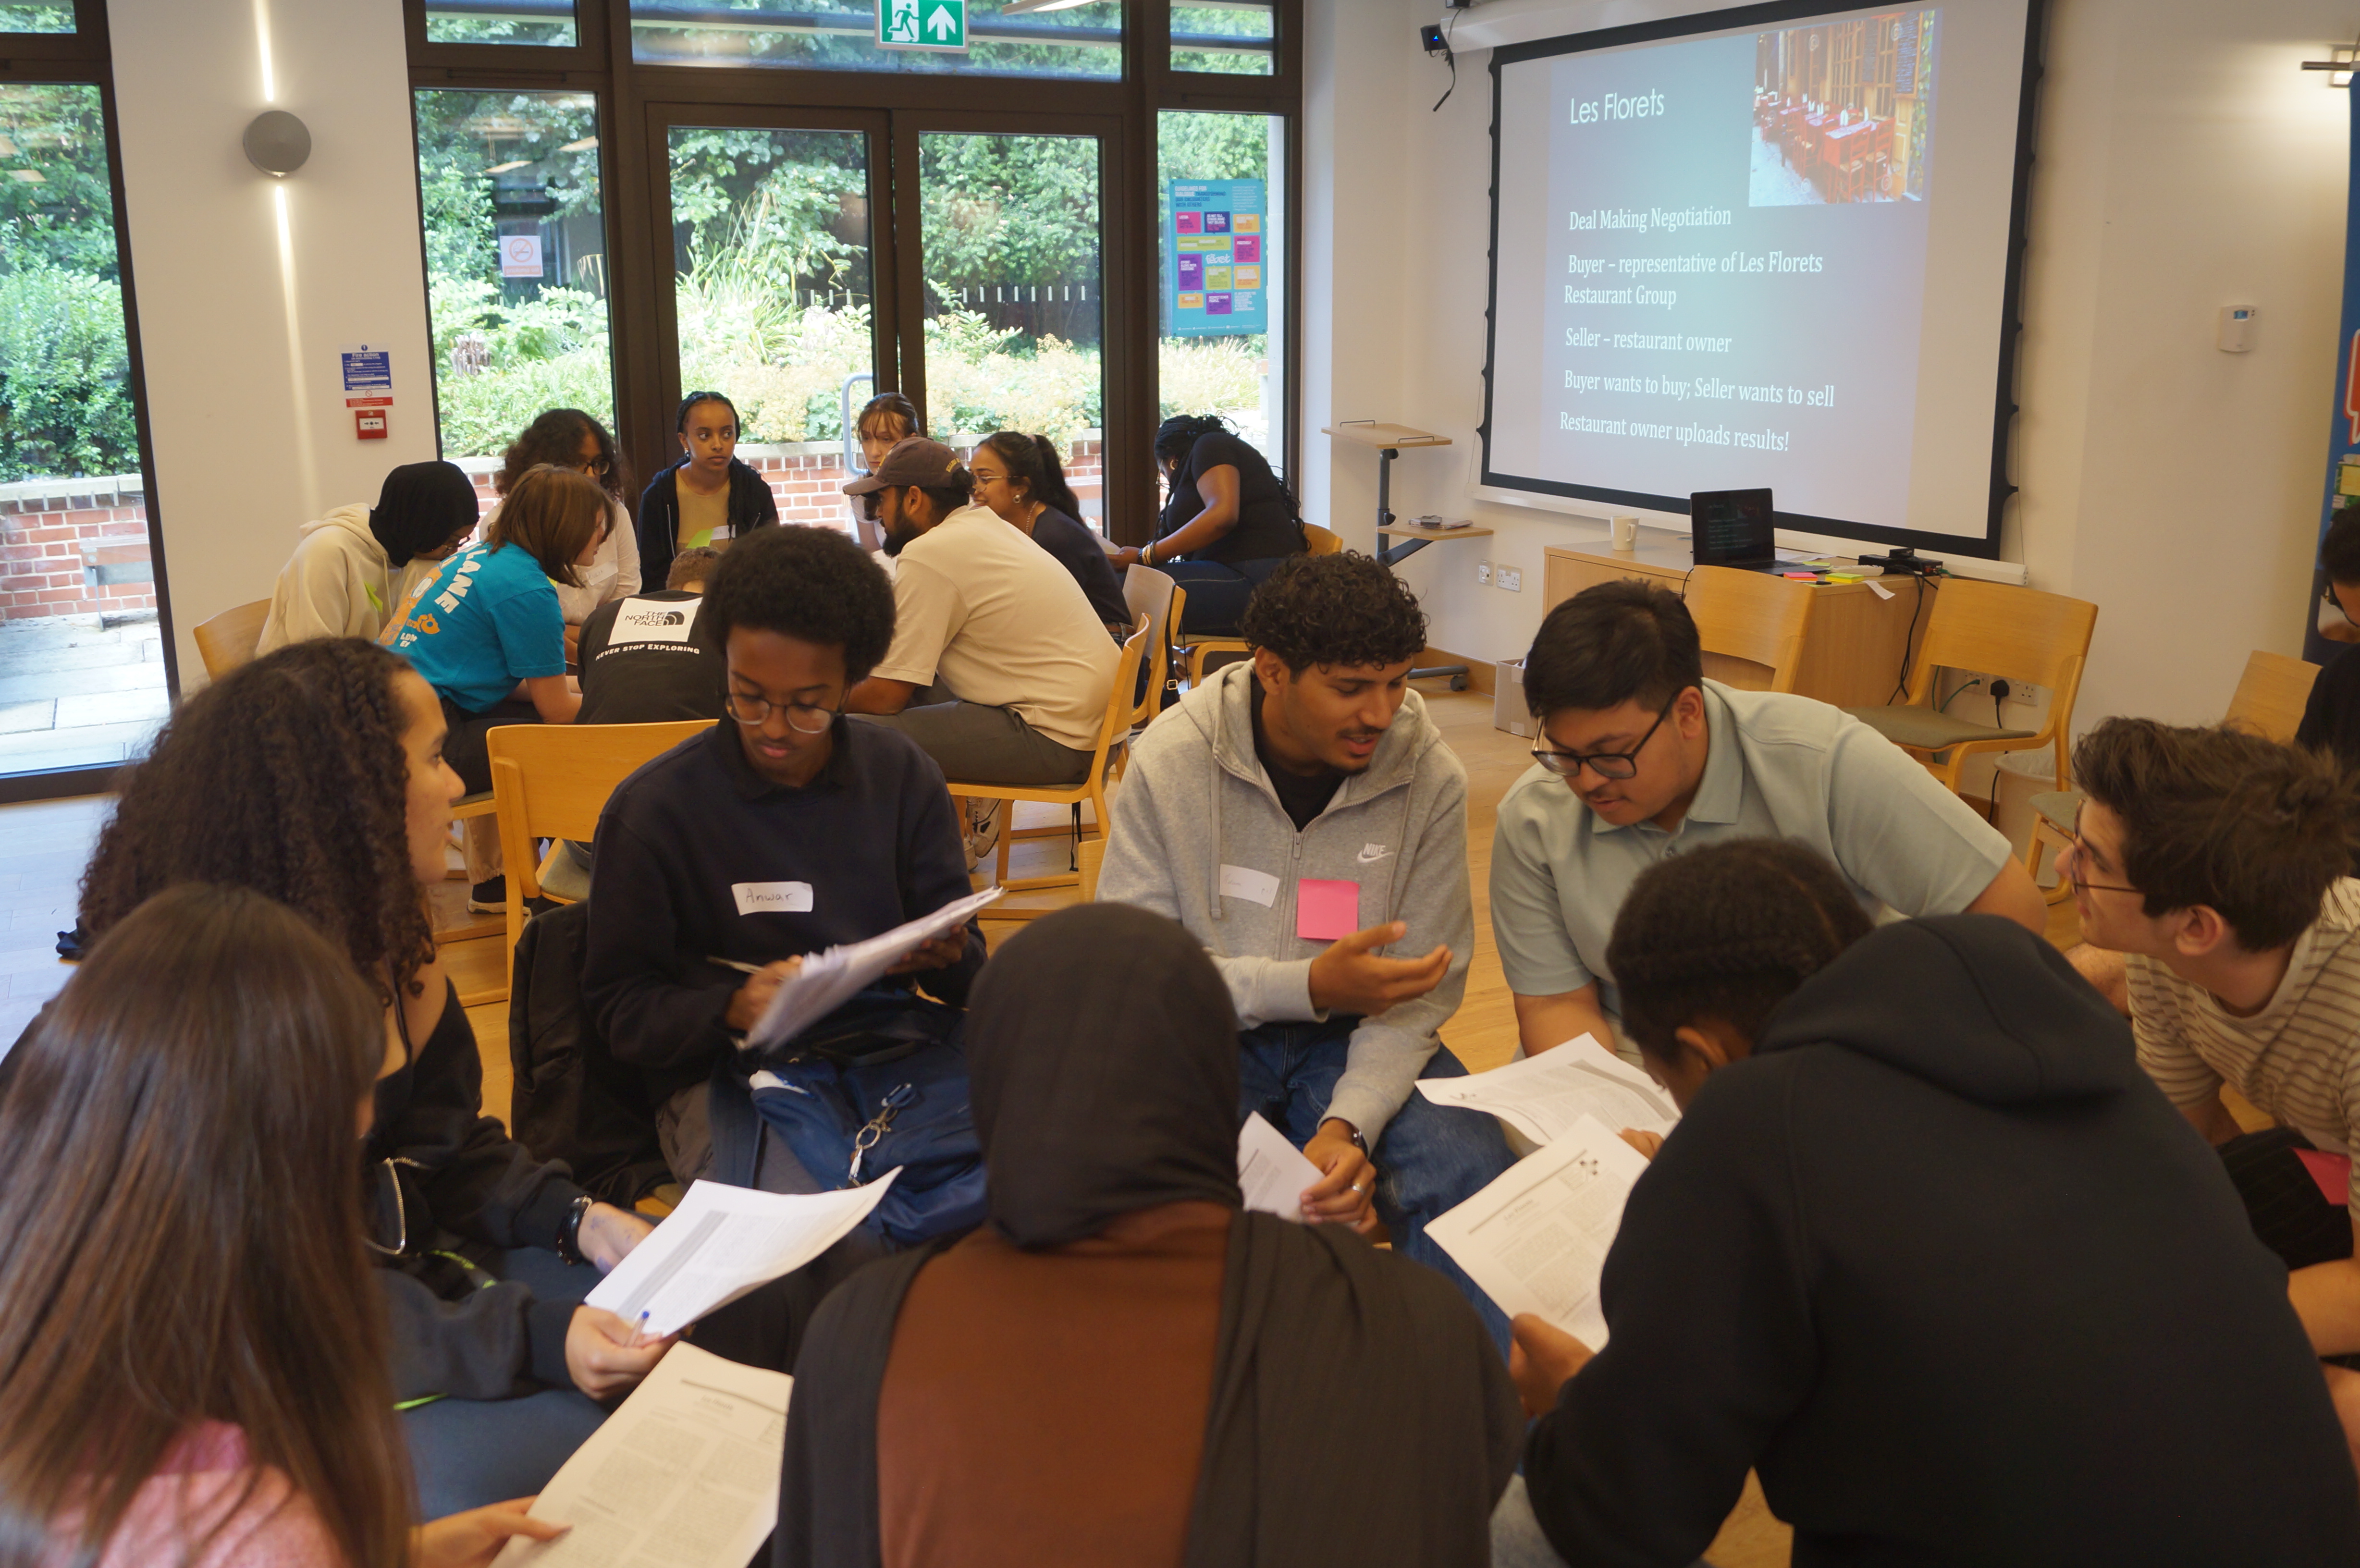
569 1234
1358 1141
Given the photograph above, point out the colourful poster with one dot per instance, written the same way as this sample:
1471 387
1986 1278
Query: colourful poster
1214 265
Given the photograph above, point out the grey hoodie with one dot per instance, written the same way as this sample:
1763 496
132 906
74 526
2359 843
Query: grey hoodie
1199 835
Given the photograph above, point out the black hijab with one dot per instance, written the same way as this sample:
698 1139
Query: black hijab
421 505
1360 1417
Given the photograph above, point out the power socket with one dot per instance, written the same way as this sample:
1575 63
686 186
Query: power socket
1483 573
1512 578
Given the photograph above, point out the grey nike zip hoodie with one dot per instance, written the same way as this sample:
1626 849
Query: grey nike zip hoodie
1199 835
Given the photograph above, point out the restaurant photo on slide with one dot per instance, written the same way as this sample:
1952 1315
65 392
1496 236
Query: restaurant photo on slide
1844 111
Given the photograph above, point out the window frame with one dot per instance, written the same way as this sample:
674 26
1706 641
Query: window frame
85 58
638 102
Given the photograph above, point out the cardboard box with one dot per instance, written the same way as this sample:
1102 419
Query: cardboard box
1508 712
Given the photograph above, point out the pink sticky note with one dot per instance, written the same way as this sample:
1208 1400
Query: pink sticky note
1326 910
2332 1171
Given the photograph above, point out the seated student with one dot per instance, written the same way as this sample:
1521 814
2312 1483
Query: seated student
1000 668
884 422
1302 817
1020 478
487 630
1228 521
708 497
2331 720
568 438
314 777
1927 1251
192 1369
781 832
661 664
1640 758
2218 864
1122 1367
348 573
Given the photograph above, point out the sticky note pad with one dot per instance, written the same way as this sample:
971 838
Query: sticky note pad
1326 910
2332 1171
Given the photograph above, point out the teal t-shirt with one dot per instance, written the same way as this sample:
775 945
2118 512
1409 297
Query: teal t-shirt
488 620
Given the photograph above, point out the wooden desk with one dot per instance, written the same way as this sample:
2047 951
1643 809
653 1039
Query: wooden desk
1854 650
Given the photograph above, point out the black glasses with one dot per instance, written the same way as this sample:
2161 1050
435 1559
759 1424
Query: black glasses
2080 851
804 717
1605 763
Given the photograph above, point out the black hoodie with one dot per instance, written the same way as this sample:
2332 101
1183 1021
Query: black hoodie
1943 1265
751 505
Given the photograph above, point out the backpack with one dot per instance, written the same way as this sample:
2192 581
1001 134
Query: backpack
572 1100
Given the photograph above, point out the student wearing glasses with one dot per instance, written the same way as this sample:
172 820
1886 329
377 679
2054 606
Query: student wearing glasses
782 831
1640 758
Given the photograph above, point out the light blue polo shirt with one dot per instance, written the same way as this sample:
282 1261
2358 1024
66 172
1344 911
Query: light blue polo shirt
1776 766
489 619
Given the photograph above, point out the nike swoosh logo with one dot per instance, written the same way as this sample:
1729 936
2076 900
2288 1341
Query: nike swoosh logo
1372 853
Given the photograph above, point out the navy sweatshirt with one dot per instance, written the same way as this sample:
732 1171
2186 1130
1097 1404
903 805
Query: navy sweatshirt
867 845
1944 1265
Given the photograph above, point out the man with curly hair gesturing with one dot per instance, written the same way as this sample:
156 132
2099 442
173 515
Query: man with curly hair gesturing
1302 817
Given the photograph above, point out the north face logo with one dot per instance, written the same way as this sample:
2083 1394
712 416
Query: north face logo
670 618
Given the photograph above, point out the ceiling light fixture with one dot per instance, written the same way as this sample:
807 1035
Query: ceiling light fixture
512 163
1025 7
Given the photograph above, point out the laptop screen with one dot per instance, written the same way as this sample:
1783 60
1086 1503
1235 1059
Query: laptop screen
1731 528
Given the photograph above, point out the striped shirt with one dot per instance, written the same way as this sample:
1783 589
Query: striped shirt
2298 1058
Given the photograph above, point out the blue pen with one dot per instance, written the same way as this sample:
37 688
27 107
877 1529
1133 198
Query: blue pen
640 1332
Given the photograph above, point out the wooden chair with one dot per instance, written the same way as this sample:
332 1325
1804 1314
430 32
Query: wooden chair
553 780
1750 624
1152 594
1316 541
1090 791
2025 636
1093 857
2269 701
228 640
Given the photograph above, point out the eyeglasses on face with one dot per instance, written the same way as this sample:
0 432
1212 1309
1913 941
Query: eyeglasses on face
1605 763
803 718
2070 868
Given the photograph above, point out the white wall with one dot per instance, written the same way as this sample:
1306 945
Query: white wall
2185 164
239 329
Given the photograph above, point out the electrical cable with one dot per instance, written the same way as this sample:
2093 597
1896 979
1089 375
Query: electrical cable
1901 681
1450 59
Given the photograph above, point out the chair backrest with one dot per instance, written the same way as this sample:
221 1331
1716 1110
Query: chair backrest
1317 541
553 780
228 639
1751 624
1154 594
1118 711
2272 694
2021 633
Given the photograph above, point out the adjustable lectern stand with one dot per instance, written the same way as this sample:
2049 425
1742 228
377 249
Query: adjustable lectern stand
1389 439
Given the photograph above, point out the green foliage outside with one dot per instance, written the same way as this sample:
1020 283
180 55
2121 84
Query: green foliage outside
65 366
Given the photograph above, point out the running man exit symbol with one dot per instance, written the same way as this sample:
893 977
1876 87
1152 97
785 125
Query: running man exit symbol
922 24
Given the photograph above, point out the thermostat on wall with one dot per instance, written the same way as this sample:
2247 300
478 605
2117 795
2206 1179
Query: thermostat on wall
2237 328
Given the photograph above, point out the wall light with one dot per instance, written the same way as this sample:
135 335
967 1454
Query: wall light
278 143
2339 69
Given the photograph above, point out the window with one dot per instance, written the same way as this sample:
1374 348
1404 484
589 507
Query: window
1231 37
516 265
1222 205
550 23
37 16
1005 37
83 674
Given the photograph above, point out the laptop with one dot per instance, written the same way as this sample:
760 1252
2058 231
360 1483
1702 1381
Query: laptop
1732 527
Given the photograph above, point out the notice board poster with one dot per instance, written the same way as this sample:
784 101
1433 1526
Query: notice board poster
1214 255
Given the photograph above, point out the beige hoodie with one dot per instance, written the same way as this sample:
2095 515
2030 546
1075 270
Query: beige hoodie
336 584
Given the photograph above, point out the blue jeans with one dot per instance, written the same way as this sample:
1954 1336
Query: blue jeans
1216 592
468 1453
1517 1538
1431 1157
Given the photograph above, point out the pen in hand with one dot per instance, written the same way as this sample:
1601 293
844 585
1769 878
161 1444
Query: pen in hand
639 1332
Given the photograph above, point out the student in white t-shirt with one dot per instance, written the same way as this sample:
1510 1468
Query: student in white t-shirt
999 668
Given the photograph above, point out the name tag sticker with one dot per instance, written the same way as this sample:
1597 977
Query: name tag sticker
1253 887
653 620
1326 910
772 898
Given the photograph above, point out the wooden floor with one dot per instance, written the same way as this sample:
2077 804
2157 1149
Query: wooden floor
44 847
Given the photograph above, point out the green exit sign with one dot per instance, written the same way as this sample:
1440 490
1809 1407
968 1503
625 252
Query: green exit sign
922 24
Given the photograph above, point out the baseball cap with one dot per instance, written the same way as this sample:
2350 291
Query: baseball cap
914 459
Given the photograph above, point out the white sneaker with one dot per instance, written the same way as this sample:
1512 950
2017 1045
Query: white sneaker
983 817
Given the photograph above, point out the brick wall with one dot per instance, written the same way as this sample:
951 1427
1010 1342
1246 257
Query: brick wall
807 478
74 547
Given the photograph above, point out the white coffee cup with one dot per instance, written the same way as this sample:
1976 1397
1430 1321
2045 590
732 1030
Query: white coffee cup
1626 532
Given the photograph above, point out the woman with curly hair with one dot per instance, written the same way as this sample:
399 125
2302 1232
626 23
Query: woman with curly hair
568 438
1228 521
315 776
190 1353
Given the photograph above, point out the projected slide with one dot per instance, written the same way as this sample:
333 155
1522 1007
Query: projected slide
1712 270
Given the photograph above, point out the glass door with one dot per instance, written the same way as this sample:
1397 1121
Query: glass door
1011 252
775 301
